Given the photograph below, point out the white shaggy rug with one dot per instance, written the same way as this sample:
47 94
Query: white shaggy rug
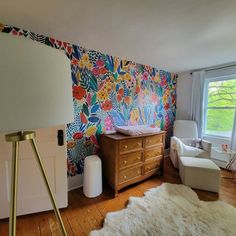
170 209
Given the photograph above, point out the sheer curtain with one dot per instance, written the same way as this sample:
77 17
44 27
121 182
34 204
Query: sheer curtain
197 99
233 138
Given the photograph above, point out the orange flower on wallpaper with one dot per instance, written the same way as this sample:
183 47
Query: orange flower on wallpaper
137 89
107 105
121 92
71 144
103 70
78 92
119 97
128 100
75 62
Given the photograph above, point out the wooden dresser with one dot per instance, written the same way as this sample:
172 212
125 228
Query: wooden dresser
129 159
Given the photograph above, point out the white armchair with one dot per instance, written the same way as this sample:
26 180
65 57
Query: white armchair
185 142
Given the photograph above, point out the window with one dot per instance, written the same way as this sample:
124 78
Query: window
219 106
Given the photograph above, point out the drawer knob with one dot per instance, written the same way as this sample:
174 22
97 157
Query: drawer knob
125 146
138 171
125 177
125 162
138 158
139 144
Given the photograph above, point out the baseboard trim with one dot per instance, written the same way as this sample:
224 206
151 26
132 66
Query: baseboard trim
75 182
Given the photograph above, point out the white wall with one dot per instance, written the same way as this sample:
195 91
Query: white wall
184 95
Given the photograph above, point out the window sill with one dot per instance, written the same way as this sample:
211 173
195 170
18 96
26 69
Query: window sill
217 137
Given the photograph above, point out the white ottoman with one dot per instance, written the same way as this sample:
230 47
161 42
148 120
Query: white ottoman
92 182
199 173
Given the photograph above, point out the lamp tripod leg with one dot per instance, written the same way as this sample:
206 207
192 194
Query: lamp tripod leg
14 183
57 213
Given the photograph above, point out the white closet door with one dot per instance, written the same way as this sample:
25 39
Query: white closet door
32 193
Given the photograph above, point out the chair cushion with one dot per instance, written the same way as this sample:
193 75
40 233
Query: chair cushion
199 163
191 151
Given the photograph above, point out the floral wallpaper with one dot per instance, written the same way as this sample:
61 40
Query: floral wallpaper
108 91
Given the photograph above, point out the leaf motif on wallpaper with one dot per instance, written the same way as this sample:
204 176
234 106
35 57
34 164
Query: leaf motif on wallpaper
115 75
119 70
83 118
88 81
76 52
99 130
85 109
110 63
93 83
93 119
74 79
37 37
94 99
118 118
95 108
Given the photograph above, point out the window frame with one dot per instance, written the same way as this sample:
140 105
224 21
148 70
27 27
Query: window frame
205 104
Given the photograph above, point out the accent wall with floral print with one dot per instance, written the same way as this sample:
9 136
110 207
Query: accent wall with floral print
108 91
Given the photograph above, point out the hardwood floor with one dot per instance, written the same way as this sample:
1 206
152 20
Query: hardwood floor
84 214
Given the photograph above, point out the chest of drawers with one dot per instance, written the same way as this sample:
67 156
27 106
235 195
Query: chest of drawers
129 159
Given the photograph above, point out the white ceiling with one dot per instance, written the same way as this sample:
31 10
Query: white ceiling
175 35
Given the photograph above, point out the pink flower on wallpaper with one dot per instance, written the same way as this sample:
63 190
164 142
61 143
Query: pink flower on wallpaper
96 71
163 81
154 98
100 63
108 123
145 76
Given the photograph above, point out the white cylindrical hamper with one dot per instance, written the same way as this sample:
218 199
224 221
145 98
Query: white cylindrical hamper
92 183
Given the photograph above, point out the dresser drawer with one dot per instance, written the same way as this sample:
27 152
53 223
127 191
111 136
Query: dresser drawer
130 159
151 166
131 145
153 153
153 140
129 174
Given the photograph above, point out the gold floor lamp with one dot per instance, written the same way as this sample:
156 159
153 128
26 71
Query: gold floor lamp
35 92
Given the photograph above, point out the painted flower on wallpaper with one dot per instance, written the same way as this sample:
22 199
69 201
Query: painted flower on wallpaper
102 95
134 116
107 105
91 131
108 91
78 135
71 144
145 75
78 92
108 123
84 62
128 100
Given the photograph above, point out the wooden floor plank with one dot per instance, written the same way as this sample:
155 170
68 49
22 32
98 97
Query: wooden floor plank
85 214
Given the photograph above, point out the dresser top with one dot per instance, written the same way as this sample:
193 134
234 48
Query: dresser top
119 136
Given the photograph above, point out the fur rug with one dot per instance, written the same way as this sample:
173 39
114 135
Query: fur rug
170 209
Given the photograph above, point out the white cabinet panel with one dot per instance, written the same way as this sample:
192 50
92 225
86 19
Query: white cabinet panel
32 193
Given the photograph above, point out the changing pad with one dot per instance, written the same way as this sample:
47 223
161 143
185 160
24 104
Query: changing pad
136 130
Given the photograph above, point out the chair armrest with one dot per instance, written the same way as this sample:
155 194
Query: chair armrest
187 141
206 146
